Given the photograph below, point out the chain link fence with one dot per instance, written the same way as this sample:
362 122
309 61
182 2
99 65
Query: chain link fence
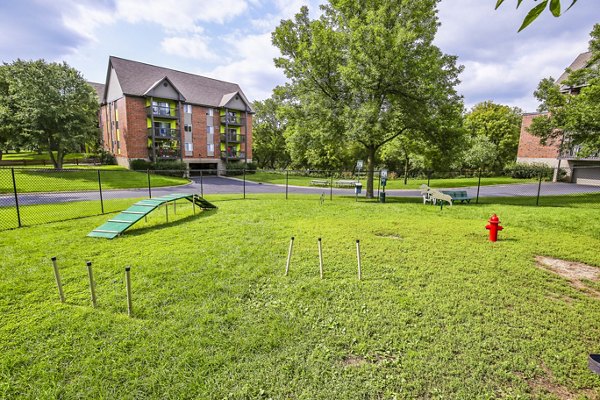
38 196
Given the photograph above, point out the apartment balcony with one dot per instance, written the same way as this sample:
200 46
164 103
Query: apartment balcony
232 138
573 153
233 155
163 133
233 120
164 153
162 112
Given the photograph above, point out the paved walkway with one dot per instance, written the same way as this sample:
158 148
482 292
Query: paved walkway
221 185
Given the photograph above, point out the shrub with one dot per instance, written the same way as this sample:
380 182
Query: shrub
106 158
528 171
140 164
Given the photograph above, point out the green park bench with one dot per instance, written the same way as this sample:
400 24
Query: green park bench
345 183
458 195
319 182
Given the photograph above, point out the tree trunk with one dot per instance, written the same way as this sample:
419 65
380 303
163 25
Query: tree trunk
370 170
1 153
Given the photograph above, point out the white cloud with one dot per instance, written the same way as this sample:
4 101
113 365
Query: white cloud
195 46
183 15
84 19
253 68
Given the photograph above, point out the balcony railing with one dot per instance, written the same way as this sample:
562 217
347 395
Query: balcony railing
163 153
232 138
574 151
164 133
232 120
162 112
233 155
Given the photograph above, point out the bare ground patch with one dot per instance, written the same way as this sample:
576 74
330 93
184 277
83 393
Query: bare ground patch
544 384
574 272
388 235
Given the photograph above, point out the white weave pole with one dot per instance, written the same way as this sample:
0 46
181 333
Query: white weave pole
289 258
58 282
358 258
320 258
92 283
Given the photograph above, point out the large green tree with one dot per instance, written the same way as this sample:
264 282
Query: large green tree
574 117
368 72
48 106
268 141
501 125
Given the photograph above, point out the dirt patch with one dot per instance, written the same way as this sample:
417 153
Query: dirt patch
545 385
353 361
575 272
388 235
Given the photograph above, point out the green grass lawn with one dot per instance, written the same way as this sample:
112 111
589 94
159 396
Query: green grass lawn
31 155
441 312
112 177
296 180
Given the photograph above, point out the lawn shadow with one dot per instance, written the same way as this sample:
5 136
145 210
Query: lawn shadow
143 230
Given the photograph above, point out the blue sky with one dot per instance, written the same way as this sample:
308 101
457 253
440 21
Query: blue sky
231 40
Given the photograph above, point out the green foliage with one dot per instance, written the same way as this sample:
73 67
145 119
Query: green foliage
47 106
501 125
165 167
481 152
106 157
574 117
554 7
268 141
365 73
528 171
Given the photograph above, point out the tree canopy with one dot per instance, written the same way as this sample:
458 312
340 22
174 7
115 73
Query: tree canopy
500 125
576 116
367 73
47 106
268 142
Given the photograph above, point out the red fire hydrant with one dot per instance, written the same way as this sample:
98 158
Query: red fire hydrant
494 226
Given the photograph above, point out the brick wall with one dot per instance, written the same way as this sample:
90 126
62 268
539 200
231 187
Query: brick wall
135 128
530 146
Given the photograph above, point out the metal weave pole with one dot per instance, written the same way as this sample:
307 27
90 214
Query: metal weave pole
16 197
537 200
478 186
100 190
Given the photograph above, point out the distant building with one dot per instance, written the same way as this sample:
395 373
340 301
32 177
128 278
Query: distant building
155 113
561 152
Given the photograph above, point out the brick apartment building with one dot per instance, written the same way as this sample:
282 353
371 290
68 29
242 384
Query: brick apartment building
560 153
154 113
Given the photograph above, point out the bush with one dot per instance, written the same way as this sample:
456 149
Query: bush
140 165
528 171
106 158
165 167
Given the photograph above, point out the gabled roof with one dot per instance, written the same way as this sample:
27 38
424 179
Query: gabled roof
580 62
99 90
158 82
137 78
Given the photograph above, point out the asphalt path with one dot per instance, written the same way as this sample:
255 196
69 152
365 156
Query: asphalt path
221 185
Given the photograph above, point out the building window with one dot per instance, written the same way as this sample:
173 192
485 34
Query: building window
189 147
187 108
210 149
210 130
187 128
209 112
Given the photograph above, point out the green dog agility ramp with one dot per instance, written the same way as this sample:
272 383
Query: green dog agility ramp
121 222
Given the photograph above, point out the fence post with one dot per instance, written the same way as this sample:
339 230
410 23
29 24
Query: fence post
244 183
331 186
100 190
149 186
537 200
201 184
286 183
378 184
478 186
16 197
